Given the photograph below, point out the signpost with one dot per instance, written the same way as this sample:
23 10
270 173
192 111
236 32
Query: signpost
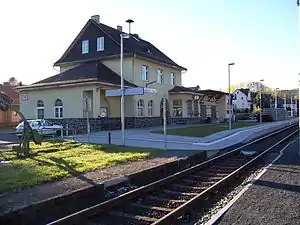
87 108
128 92
165 121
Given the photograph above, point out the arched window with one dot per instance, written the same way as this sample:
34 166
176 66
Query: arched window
150 108
140 108
58 109
40 109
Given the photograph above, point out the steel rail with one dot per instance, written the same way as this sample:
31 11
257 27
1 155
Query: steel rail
181 209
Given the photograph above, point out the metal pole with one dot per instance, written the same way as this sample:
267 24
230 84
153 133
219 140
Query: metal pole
285 108
229 99
291 106
165 122
285 100
122 93
276 104
298 25
87 118
260 104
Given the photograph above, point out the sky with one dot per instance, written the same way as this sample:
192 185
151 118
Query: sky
259 36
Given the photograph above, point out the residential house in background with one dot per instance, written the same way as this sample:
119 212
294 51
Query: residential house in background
9 117
91 66
242 99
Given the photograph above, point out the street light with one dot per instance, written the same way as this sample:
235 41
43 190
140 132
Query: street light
260 101
276 89
229 96
122 36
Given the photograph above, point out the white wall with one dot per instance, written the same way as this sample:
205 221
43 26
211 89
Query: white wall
241 100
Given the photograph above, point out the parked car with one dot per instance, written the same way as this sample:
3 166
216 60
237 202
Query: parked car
43 127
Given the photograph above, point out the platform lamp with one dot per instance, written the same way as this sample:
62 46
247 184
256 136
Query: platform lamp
122 36
276 102
260 101
229 97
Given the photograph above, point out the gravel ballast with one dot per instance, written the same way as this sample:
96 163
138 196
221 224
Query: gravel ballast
15 200
272 199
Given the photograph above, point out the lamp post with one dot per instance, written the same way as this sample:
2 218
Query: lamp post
260 101
276 103
298 15
122 36
229 97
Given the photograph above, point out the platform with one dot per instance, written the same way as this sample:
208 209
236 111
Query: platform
220 140
274 198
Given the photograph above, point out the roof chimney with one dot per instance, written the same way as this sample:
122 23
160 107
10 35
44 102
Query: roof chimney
129 21
119 28
96 18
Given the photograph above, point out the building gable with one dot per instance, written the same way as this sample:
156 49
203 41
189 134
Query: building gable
90 32
133 45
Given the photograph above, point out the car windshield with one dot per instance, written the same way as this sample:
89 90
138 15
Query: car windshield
32 123
47 123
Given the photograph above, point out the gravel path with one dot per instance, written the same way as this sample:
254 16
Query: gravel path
15 200
274 198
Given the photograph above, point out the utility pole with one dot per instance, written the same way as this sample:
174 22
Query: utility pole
260 101
298 17
122 36
229 97
276 116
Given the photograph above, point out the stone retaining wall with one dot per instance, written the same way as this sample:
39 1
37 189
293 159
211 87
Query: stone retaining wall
281 113
96 124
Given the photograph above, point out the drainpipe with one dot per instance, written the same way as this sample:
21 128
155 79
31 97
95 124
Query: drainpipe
133 67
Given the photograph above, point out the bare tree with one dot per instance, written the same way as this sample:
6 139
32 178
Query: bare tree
13 81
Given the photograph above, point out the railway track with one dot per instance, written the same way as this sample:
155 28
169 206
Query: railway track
163 201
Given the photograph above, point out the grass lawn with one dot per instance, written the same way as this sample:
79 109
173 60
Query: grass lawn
204 130
54 160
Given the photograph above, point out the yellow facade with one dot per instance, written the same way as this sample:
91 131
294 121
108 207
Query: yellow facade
72 97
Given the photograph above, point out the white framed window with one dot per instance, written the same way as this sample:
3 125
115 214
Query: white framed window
100 44
173 78
144 73
58 109
160 76
85 46
150 108
177 108
40 110
103 112
140 108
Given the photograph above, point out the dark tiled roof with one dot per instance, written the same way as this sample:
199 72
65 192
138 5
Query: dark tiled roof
245 91
88 70
178 89
212 92
133 45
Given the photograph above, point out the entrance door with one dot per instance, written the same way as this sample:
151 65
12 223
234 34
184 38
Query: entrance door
213 112
203 111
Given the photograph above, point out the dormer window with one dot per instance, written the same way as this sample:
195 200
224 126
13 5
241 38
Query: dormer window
100 44
85 46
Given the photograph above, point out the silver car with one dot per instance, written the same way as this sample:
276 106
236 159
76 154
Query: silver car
43 127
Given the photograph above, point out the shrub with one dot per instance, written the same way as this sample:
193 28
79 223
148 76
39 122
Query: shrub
265 118
242 116
208 120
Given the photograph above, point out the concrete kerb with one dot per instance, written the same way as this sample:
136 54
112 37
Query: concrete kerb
254 135
244 136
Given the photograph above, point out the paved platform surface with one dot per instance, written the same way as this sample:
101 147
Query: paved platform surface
274 198
144 138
